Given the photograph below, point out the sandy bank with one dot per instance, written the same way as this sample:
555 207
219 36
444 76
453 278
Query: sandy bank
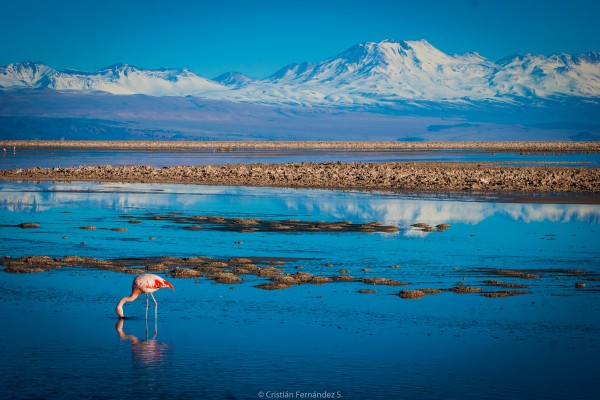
312 145
486 177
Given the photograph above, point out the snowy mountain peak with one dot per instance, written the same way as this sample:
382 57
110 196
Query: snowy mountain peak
25 74
233 78
115 79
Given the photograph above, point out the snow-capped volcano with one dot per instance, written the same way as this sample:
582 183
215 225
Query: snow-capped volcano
387 73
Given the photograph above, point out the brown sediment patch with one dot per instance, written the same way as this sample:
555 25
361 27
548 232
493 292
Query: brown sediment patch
428 228
225 277
184 273
241 260
88 228
367 291
319 280
415 294
134 271
505 293
229 271
411 294
272 286
383 281
495 282
421 225
217 264
529 274
160 266
516 274
302 277
237 224
343 278
268 272
29 225
431 291
22 269
286 280
118 229
244 269
461 289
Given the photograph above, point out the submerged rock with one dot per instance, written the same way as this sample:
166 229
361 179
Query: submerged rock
505 293
29 225
367 291
460 289
272 286
411 294
383 281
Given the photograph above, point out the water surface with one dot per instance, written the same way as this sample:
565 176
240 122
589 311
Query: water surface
62 339
27 158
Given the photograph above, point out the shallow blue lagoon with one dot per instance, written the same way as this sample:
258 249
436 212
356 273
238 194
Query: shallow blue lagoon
28 158
61 338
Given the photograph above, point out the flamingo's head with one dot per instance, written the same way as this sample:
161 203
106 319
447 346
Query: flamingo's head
167 284
119 311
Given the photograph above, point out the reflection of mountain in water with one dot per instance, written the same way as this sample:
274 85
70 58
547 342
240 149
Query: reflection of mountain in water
387 208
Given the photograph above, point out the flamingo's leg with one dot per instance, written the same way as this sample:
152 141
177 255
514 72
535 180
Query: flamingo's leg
155 306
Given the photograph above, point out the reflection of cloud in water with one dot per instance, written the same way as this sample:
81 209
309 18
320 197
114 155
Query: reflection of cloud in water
20 201
25 197
406 212
28 197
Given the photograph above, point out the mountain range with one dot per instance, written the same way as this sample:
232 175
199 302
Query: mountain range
389 90
386 73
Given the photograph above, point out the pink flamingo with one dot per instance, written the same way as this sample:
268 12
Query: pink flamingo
146 283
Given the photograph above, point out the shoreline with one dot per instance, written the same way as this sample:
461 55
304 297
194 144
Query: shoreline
435 177
524 146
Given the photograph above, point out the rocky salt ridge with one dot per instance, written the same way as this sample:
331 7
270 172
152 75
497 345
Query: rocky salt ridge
394 176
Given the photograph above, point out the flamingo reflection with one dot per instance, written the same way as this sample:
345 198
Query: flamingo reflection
148 351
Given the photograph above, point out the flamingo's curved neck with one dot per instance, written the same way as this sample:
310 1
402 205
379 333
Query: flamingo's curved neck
127 299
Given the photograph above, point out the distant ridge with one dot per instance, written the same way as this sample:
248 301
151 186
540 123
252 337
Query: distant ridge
373 74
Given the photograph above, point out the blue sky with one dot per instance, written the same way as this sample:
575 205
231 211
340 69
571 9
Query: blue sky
259 37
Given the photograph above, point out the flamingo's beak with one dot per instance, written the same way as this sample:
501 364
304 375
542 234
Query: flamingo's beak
167 284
